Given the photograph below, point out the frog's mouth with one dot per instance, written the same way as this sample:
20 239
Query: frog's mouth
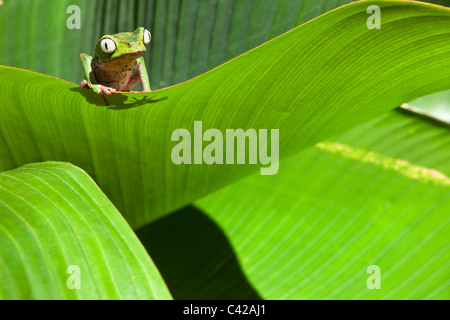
121 62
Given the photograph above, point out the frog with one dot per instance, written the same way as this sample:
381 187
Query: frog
117 64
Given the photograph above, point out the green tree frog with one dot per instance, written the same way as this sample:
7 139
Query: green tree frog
115 60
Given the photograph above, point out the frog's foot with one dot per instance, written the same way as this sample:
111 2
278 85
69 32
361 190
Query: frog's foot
98 88
101 90
108 90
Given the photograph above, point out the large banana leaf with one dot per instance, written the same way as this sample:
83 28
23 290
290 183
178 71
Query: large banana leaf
315 81
369 197
57 226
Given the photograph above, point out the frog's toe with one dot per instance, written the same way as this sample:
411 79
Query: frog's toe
84 84
108 90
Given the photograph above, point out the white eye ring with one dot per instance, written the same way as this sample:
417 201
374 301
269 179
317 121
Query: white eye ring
108 45
147 36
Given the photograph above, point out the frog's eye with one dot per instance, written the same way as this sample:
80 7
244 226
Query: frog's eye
108 45
147 36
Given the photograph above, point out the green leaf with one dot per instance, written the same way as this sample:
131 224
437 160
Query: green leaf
58 230
377 195
311 83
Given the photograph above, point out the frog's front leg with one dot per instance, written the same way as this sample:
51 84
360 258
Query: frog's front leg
87 83
140 76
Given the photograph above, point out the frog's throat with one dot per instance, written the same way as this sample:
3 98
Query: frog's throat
118 63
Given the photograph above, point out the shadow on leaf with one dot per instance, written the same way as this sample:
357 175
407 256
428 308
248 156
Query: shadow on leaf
195 257
136 103
117 101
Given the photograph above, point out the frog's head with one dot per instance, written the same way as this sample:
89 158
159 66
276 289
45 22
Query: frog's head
111 47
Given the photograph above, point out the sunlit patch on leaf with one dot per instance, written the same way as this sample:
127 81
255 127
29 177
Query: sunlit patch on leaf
401 166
